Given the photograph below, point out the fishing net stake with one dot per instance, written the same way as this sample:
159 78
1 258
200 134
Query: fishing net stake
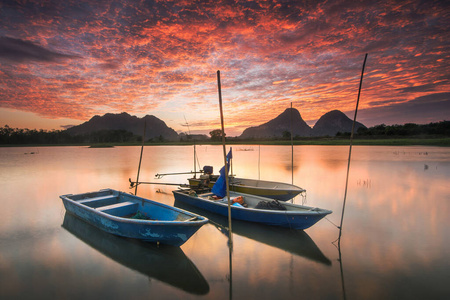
140 159
350 150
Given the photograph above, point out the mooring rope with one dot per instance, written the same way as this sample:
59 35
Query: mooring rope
326 218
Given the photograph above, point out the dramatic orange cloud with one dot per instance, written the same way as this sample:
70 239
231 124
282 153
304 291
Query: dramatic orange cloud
71 60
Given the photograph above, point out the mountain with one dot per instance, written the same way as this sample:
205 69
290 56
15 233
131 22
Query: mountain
277 126
333 122
154 126
328 125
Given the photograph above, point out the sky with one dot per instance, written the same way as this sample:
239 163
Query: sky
63 62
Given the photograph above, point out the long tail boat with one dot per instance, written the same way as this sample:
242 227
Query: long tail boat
269 189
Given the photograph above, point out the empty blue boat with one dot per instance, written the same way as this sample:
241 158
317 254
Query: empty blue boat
292 216
134 217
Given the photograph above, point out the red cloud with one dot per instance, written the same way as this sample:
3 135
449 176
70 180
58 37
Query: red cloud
78 59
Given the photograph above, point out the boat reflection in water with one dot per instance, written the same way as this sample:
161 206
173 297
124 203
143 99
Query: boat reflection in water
165 263
293 241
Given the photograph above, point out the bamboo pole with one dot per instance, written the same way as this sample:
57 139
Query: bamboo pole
140 158
193 139
195 163
350 150
225 158
259 162
134 183
159 176
292 150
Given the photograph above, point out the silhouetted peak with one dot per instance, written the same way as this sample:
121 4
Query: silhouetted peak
333 122
123 121
288 120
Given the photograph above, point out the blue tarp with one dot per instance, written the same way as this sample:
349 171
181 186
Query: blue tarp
220 187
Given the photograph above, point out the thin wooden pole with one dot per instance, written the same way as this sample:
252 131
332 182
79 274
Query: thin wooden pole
230 258
195 157
225 159
350 150
231 166
193 140
292 151
140 159
259 162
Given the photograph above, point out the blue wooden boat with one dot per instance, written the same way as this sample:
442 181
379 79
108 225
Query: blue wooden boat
134 217
296 242
293 216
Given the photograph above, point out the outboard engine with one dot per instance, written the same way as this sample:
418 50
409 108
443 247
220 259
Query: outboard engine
205 177
207 170
204 181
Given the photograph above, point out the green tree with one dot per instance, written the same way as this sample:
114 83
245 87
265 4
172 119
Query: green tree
216 135
286 135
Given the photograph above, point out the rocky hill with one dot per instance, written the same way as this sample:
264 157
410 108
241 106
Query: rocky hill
275 128
155 127
328 125
333 122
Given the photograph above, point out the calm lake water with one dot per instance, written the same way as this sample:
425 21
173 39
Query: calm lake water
395 242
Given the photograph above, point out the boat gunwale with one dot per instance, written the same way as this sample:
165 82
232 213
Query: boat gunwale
275 188
289 191
200 219
279 186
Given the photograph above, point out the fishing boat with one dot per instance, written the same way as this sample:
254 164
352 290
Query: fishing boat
134 217
270 189
296 242
253 208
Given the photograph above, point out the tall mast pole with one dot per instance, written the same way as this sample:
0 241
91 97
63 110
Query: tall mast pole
225 158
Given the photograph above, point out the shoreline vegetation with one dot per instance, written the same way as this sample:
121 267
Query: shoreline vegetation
432 134
416 141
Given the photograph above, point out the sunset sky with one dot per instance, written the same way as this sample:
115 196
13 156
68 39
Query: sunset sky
62 62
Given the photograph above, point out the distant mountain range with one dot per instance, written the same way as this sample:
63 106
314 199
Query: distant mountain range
328 125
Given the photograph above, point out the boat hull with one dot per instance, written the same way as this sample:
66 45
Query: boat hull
169 225
270 189
296 242
294 219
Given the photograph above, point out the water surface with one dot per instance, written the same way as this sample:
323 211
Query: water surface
395 242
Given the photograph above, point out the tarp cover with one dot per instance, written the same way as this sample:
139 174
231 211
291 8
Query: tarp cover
220 187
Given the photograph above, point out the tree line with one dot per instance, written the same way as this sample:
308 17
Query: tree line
406 130
18 136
